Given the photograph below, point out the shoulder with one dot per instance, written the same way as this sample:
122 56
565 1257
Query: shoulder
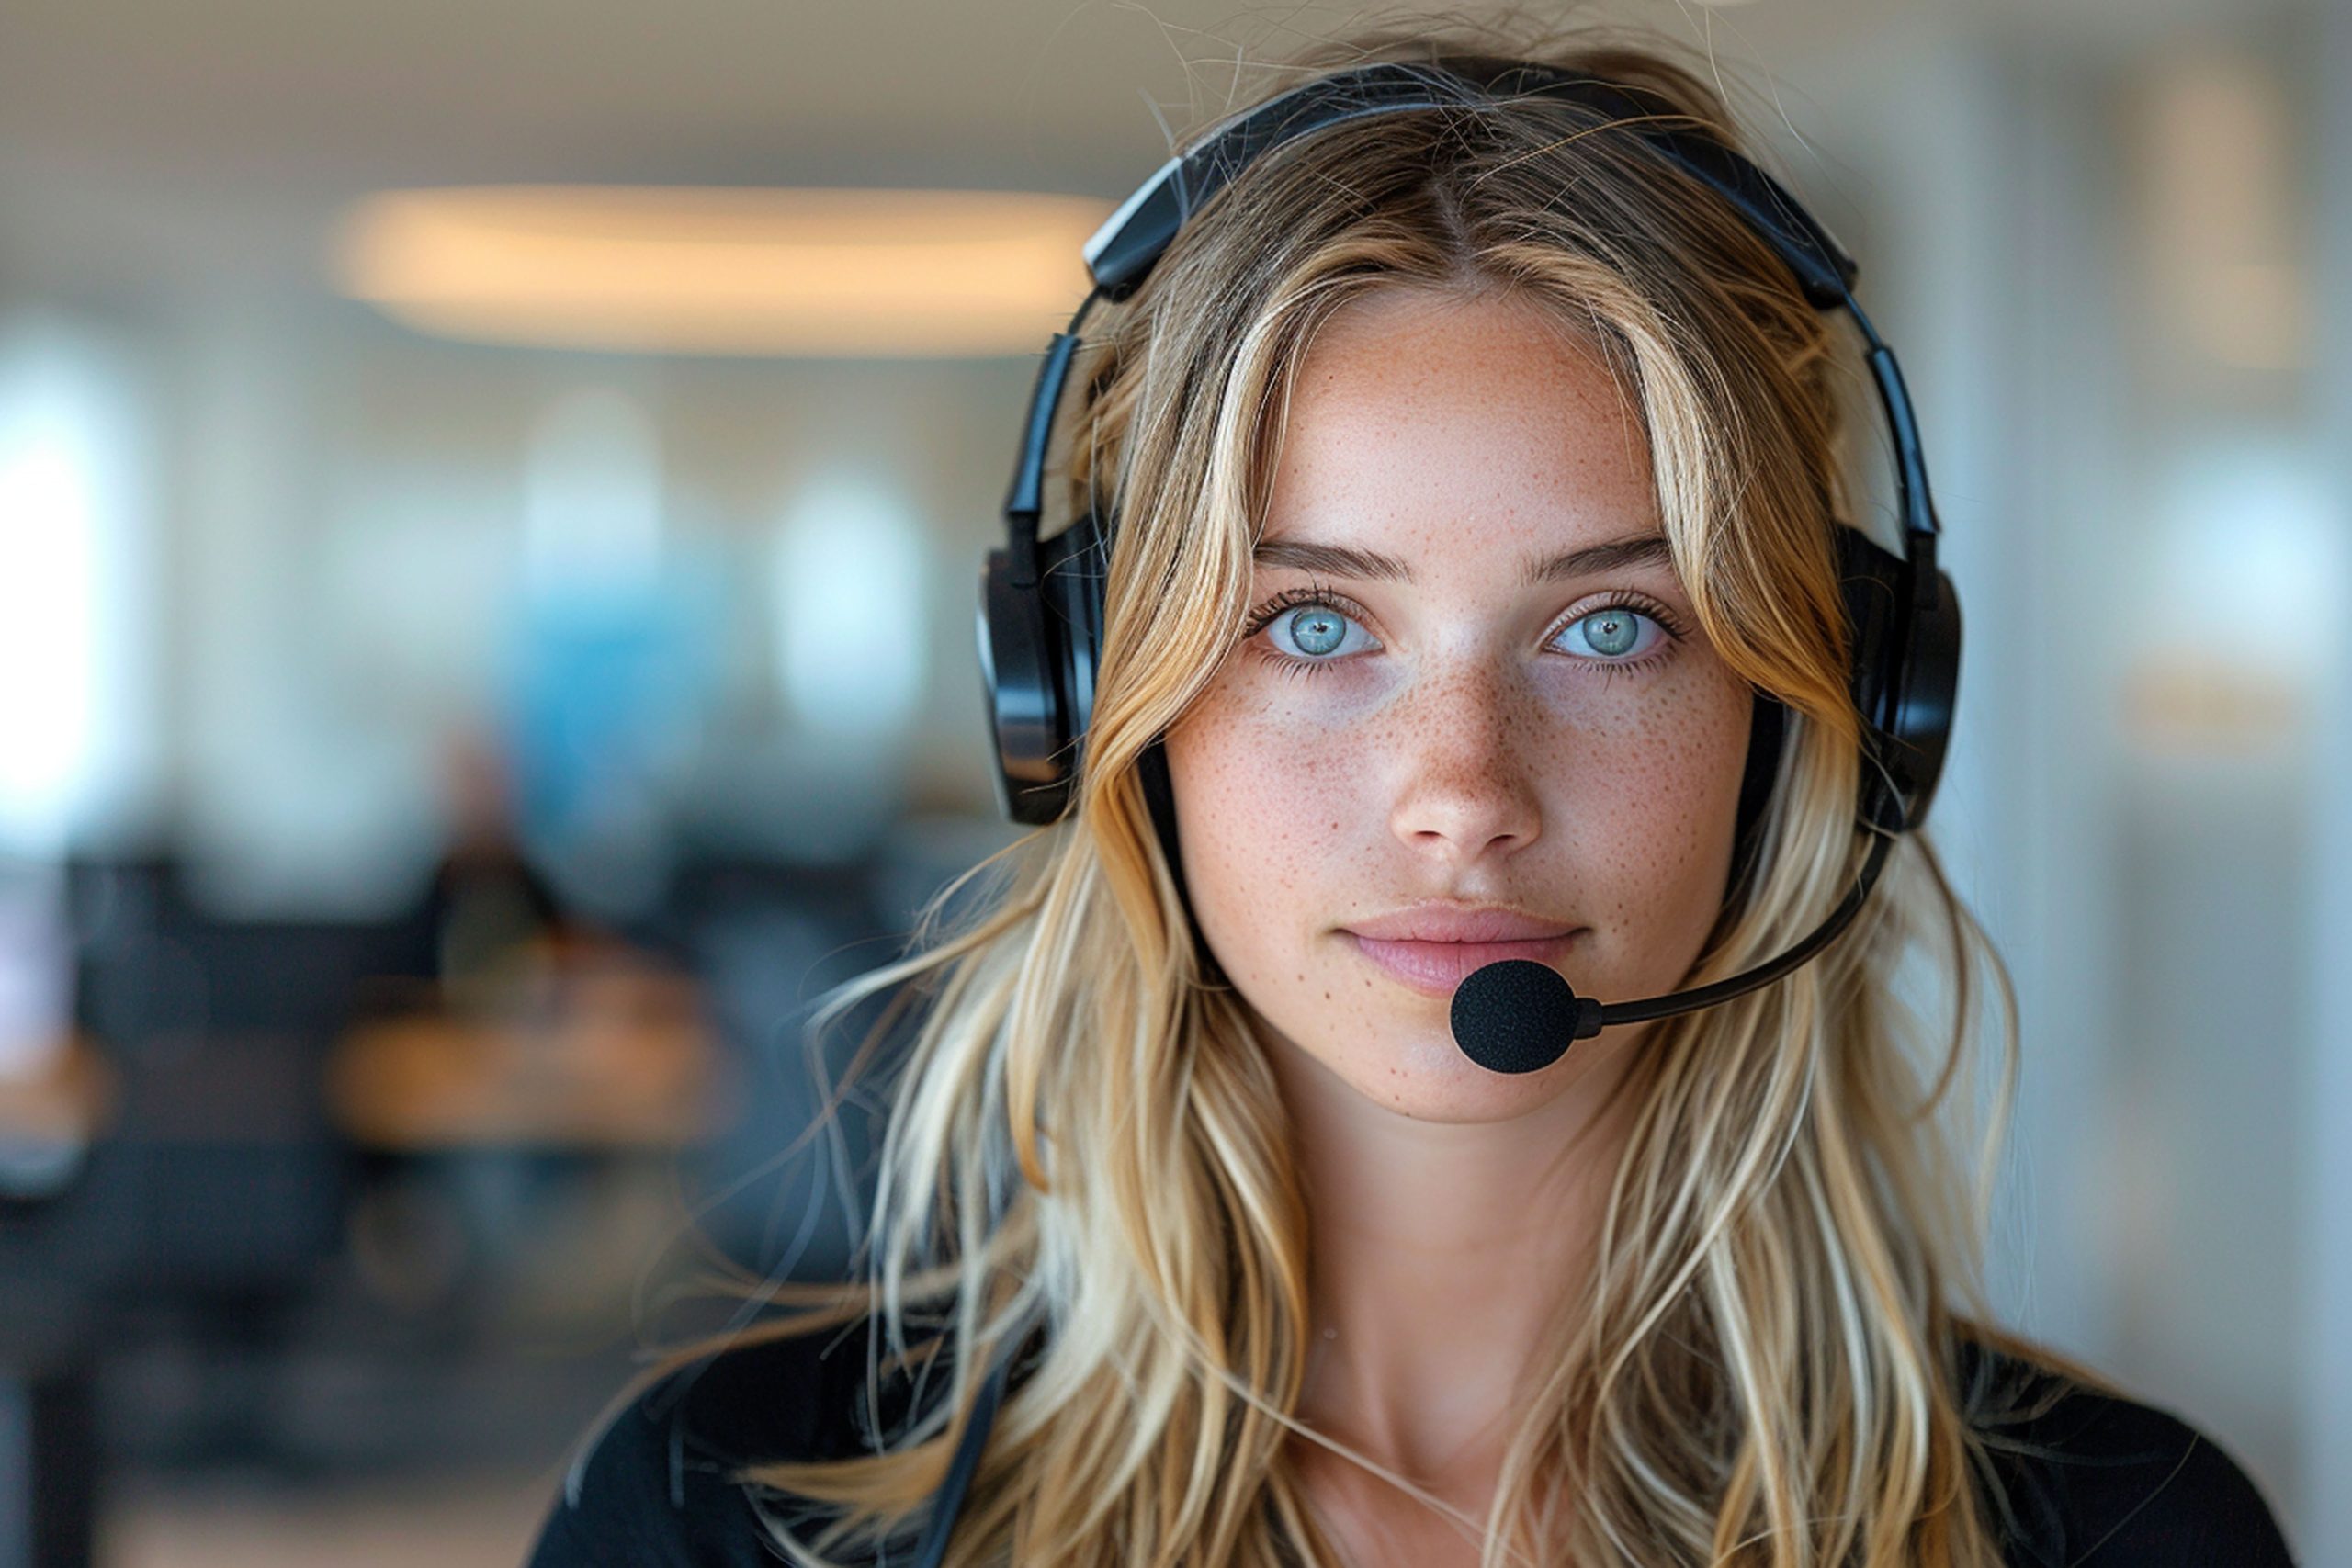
2087 1477
657 1484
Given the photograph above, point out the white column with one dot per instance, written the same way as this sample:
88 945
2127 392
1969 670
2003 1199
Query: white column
294 798
80 762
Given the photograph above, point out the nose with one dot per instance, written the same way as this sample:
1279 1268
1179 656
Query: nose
1467 788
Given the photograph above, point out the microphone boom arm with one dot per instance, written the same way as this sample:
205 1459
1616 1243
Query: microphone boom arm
1764 973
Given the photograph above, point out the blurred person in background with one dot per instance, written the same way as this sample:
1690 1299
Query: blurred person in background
490 910
1199 1240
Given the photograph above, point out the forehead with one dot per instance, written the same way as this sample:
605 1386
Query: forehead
1458 435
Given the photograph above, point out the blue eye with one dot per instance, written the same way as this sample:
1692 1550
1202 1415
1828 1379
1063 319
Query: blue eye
1316 632
1617 634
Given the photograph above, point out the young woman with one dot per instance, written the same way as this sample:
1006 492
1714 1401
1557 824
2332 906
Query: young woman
1466 475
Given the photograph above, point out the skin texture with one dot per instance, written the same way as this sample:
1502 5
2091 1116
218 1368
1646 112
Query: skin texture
1461 744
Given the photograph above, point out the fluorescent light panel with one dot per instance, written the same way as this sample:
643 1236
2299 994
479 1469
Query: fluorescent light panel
851 273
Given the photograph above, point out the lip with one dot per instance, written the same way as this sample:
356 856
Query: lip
1432 948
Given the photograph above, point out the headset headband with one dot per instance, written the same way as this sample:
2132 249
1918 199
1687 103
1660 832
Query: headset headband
1123 251
1040 676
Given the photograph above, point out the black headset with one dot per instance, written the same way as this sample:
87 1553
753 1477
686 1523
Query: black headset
1041 602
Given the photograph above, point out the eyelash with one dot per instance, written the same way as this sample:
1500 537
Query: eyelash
1291 599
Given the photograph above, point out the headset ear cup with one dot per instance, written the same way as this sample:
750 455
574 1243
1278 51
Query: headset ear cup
1019 669
1038 646
1928 699
1905 677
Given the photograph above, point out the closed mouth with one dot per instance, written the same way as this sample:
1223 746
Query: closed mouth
1435 969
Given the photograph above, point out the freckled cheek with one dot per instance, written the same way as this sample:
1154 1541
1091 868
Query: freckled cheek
1264 811
1657 801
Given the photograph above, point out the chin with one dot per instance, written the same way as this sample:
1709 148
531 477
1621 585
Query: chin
1420 1073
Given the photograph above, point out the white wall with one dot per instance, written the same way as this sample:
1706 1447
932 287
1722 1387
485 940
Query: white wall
2325 1123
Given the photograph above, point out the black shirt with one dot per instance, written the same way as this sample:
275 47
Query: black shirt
2091 1481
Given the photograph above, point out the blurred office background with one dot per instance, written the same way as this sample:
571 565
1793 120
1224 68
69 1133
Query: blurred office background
475 664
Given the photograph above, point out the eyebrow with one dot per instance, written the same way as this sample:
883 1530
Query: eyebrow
1343 560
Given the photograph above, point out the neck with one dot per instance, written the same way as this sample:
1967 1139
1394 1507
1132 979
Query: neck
1442 1255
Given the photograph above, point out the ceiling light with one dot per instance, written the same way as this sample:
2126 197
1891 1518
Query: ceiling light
837 274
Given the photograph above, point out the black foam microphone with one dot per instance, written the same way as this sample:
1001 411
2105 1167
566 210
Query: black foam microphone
1519 1016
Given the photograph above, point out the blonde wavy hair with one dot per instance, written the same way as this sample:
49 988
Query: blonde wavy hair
1086 1154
